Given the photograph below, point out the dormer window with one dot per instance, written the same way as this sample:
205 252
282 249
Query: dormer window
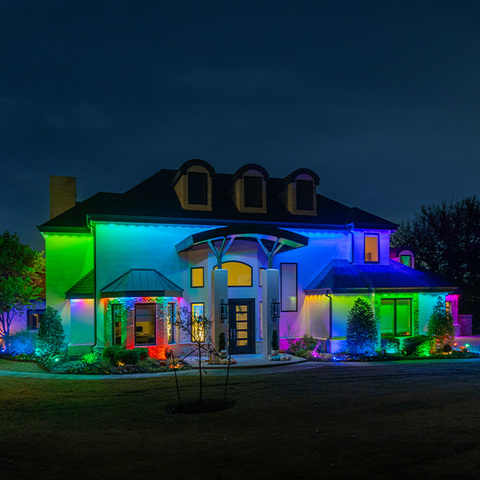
249 189
371 248
197 188
304 192
298 192
193 185
252 191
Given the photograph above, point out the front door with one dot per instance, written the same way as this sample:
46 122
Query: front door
241 326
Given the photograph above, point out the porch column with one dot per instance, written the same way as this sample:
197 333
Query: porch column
270 291
219 292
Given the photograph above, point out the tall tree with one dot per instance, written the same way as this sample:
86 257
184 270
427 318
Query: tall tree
20 277
446 238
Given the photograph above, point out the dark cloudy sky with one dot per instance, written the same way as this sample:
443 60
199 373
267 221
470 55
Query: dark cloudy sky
380 98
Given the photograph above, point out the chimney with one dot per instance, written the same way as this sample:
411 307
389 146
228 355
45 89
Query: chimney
63 194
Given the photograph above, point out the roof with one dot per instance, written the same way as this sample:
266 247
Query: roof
342 276
155 200
84 288
142 282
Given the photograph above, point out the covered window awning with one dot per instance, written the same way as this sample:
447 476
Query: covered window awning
272 240
82 289
141 282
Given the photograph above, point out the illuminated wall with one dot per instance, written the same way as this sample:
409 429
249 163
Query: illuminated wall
68 258
82 313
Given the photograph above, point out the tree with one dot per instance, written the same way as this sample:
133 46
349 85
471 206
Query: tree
440 325
50 337
20 277
362 331
446 239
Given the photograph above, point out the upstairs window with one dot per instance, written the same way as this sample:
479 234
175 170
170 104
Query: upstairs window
196 277
371 248
253 191
304 194
239 274
197 188
406 260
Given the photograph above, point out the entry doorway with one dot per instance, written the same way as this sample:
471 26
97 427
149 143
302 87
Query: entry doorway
241 326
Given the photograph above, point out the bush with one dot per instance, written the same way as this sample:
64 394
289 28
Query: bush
362 332
22 343
303 347
50 337
418 345
91 358
440 325
130 357
390 344
110 352
79 367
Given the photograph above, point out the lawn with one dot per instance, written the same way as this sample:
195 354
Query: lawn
335 421
13 366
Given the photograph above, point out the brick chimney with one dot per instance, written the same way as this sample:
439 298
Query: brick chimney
63 194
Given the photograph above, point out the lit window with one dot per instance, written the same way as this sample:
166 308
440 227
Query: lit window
288 286
396 317
406 260
260 270
196 277
116 324
198 326
171 323
197 188
239 274
33 319
253 191
304 194
145 323
371 248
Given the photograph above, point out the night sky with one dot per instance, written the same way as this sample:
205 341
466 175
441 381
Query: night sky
380 98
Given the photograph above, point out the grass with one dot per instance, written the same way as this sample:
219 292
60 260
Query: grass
13 366
335 421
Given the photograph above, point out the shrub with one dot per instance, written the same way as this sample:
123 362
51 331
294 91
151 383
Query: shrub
110 352
303 347
131 357
390 344
50 337
418 345
362 332
91 358
22 343
440 325
79 367
221 341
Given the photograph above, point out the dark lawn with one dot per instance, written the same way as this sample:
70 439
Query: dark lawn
358 422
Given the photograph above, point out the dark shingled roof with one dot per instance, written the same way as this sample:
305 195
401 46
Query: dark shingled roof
342 276
142 282
84 288
155 199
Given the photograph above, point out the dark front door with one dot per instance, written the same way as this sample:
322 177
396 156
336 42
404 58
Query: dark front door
241 326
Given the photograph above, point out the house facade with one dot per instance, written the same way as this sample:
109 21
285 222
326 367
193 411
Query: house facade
258 256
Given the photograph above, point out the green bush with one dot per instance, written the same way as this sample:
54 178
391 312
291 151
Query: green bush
110 352
389 344
418 345
79 367
22 343
130 357
91 358
362 332
50 337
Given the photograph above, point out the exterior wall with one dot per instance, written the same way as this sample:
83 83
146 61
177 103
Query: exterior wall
69 257
82 312
341 305
426 303
359 246
318 315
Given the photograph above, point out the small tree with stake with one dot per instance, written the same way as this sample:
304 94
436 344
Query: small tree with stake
362 331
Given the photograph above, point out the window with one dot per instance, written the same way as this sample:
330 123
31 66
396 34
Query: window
196 277
33 318
116 324
288 286
171 317
371 248
396 317
239 274
260 316
448 308
406 260
198 327
304 194
197 188
260 270
253 191
145 323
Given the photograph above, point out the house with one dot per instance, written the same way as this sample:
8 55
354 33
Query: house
253 253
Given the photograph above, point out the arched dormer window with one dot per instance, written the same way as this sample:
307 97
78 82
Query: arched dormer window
249 189
298 192
239 274
193 185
